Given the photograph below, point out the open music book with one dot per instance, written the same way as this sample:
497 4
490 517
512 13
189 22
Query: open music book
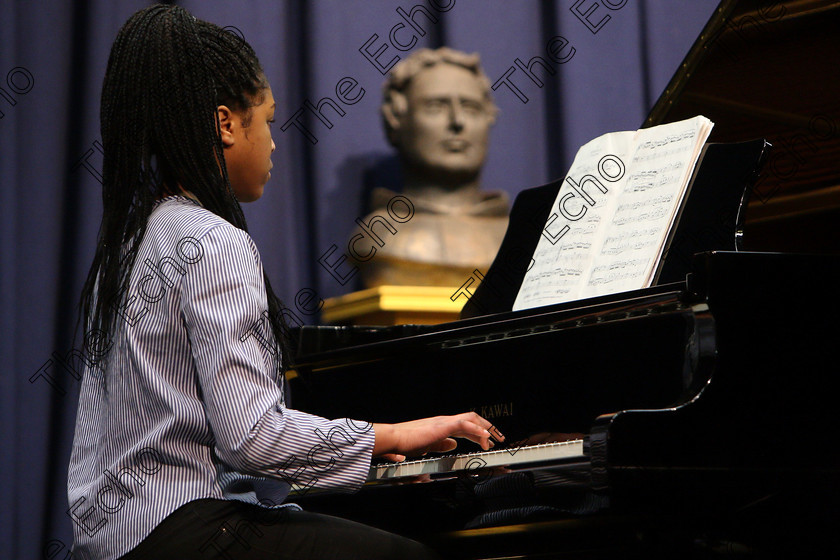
610 221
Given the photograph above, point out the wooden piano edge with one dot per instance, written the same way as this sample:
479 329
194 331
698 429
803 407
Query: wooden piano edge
596 537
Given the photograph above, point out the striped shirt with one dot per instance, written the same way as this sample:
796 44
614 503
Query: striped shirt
187 403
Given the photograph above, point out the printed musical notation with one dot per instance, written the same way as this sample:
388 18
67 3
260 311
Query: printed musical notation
615 243
617 271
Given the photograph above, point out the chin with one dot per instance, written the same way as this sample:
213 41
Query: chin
456 163
458 169
249 196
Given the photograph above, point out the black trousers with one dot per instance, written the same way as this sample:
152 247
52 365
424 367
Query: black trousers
231 530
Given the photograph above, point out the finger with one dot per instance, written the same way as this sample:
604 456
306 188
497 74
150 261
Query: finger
473 432
443 446
396 457
496 434
475 418
484 423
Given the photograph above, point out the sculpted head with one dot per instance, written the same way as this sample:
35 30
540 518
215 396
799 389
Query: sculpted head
437 111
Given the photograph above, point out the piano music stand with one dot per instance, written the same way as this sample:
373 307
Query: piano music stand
711 218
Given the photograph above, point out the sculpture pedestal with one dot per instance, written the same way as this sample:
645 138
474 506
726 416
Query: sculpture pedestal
393 305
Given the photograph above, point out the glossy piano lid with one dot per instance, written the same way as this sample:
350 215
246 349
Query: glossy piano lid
768 69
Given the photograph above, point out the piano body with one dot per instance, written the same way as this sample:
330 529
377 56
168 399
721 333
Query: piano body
696 403
695 418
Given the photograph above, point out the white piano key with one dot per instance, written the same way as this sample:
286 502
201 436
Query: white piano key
483 459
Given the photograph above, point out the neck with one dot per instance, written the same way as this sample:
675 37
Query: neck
180 192
188 194
451 190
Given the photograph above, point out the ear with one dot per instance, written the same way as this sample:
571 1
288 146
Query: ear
391 114
227 122
492 112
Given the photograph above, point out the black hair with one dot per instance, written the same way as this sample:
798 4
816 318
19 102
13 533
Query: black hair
167 74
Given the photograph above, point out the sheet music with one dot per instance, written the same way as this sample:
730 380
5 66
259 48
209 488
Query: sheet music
609 222
563 256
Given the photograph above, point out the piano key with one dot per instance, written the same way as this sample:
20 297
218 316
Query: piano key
484 459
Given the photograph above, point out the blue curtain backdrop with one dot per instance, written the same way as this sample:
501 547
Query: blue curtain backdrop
52 61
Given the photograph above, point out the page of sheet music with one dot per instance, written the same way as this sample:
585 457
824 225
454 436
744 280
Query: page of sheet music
563 257
608 225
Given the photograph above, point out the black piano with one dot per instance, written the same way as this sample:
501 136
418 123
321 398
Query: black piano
692 419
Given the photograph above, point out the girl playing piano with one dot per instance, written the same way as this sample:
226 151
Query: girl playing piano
183 445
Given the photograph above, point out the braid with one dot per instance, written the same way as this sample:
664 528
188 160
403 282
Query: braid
166 75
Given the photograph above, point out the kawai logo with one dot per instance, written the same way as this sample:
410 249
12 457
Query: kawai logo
494 410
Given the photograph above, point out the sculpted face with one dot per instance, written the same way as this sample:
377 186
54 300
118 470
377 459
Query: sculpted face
444 132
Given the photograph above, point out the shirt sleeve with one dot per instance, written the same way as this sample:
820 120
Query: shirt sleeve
223 303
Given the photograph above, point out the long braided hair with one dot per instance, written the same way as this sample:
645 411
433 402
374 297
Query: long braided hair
166 75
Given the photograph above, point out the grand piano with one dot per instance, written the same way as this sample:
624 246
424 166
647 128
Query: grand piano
692 419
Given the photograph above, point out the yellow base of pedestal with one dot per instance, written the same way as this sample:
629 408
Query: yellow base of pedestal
394 305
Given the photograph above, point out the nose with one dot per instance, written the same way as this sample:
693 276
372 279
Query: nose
456 118
272 145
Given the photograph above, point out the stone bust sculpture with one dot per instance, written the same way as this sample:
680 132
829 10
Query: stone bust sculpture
437 112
